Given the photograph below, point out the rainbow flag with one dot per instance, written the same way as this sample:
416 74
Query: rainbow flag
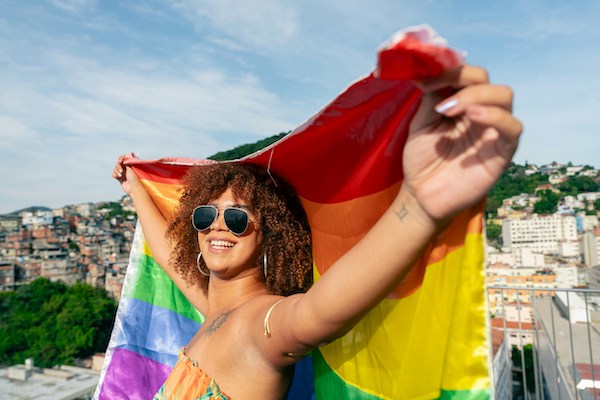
426 340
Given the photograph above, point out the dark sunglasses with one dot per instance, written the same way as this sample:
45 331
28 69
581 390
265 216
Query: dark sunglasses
236 219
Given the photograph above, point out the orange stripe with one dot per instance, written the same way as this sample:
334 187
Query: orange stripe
335 231
165 195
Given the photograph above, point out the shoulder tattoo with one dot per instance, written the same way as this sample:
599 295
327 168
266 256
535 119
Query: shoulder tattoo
217 323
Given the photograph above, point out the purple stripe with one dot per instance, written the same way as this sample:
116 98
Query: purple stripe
131 376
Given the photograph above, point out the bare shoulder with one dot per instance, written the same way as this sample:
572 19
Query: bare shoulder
256 309
269 322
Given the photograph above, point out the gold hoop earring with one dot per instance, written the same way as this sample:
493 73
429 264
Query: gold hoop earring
265 269
198 264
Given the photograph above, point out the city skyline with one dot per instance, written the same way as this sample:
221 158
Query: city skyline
85 81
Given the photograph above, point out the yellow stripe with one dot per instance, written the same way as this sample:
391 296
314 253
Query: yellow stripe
401 348
335 228
467 357
147 251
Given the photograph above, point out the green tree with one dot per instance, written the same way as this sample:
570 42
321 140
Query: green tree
493 232
246 149
579 184
54 323
518 356
548 204
73 245
116 210
512 182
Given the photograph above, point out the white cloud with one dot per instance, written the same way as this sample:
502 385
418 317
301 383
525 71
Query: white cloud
68 108
14 133
82 83
74 6
262 24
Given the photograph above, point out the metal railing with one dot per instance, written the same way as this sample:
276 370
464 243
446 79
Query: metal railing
546 342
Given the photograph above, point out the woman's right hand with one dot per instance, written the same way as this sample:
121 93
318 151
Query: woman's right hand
126 176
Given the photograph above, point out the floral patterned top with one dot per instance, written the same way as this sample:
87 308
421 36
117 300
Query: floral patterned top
188 381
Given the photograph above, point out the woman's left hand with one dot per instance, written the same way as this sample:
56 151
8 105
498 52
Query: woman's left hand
454 155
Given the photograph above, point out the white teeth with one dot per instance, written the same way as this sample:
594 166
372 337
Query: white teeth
221 244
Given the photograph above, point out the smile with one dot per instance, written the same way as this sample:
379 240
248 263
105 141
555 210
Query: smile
221 244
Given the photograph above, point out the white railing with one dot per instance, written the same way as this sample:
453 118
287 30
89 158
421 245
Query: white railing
546 342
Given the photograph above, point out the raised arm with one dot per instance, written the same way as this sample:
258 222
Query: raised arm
155 227
451 159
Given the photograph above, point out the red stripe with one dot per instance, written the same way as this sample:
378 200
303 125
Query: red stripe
165 170
350 149
353 147
412 59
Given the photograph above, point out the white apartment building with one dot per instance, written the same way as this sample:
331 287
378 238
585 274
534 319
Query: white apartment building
567 276
517 257
494 257
588 196
86 210
590 248
548 234
528 257
587 222
574 170
39 217
589 172
594 277
571 202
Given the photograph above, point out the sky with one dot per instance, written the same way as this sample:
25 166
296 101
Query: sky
83 81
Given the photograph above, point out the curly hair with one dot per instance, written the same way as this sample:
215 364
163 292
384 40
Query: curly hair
283 222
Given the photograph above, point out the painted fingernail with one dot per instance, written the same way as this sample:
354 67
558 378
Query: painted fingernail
446 105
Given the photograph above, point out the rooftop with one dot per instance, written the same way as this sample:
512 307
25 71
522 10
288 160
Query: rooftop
21 382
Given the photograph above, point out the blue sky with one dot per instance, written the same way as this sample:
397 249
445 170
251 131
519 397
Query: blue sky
86 80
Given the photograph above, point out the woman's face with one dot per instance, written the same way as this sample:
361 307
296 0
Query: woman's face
225 253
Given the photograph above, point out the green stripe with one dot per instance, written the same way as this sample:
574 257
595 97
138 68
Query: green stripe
329 385
154 286
481 394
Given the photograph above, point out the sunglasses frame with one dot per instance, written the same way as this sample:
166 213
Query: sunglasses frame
248 220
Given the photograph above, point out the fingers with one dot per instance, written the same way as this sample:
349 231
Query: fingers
119 170
484 104
501 119
483 94
457 88
456 78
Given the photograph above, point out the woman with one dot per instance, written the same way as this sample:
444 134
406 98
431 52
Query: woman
457 146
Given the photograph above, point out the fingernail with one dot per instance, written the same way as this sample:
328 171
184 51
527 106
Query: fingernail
446 105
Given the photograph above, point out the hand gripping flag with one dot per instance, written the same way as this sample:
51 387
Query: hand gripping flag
426 340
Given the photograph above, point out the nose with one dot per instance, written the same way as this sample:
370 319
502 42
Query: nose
219 223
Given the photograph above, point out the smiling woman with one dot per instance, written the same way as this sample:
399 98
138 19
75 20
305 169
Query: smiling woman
272 204
251 279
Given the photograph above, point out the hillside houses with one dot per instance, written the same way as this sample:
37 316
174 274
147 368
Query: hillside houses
80 243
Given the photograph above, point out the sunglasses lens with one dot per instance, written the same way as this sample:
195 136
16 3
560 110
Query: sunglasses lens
236 220
203 217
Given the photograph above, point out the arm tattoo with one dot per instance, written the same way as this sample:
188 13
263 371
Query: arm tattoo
217 323
403 212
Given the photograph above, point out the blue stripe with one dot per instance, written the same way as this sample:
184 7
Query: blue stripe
302 387
153 331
